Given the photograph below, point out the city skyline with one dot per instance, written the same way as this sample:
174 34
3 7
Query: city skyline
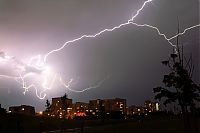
111 104
123 63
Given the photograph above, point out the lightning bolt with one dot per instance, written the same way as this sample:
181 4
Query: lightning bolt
86 89
40 63
99 33
130 21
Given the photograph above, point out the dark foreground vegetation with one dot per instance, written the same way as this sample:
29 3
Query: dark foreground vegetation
155 123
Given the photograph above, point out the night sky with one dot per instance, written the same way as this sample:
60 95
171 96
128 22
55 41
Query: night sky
126 60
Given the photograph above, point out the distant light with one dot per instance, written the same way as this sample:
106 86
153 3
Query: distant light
40 112
22 109
157 107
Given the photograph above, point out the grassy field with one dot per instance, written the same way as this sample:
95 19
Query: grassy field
150 124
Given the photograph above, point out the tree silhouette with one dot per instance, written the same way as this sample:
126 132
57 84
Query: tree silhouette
178 84
48 105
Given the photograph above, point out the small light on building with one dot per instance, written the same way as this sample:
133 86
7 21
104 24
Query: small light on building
22 109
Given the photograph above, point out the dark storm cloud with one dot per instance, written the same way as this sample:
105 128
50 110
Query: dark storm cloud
131 55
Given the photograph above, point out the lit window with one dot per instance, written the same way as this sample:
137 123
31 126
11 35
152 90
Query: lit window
121 105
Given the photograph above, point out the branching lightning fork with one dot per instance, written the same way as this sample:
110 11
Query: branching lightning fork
40 64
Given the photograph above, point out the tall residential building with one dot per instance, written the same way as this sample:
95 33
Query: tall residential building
116 104
98 106
60 108
23 109
80 108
